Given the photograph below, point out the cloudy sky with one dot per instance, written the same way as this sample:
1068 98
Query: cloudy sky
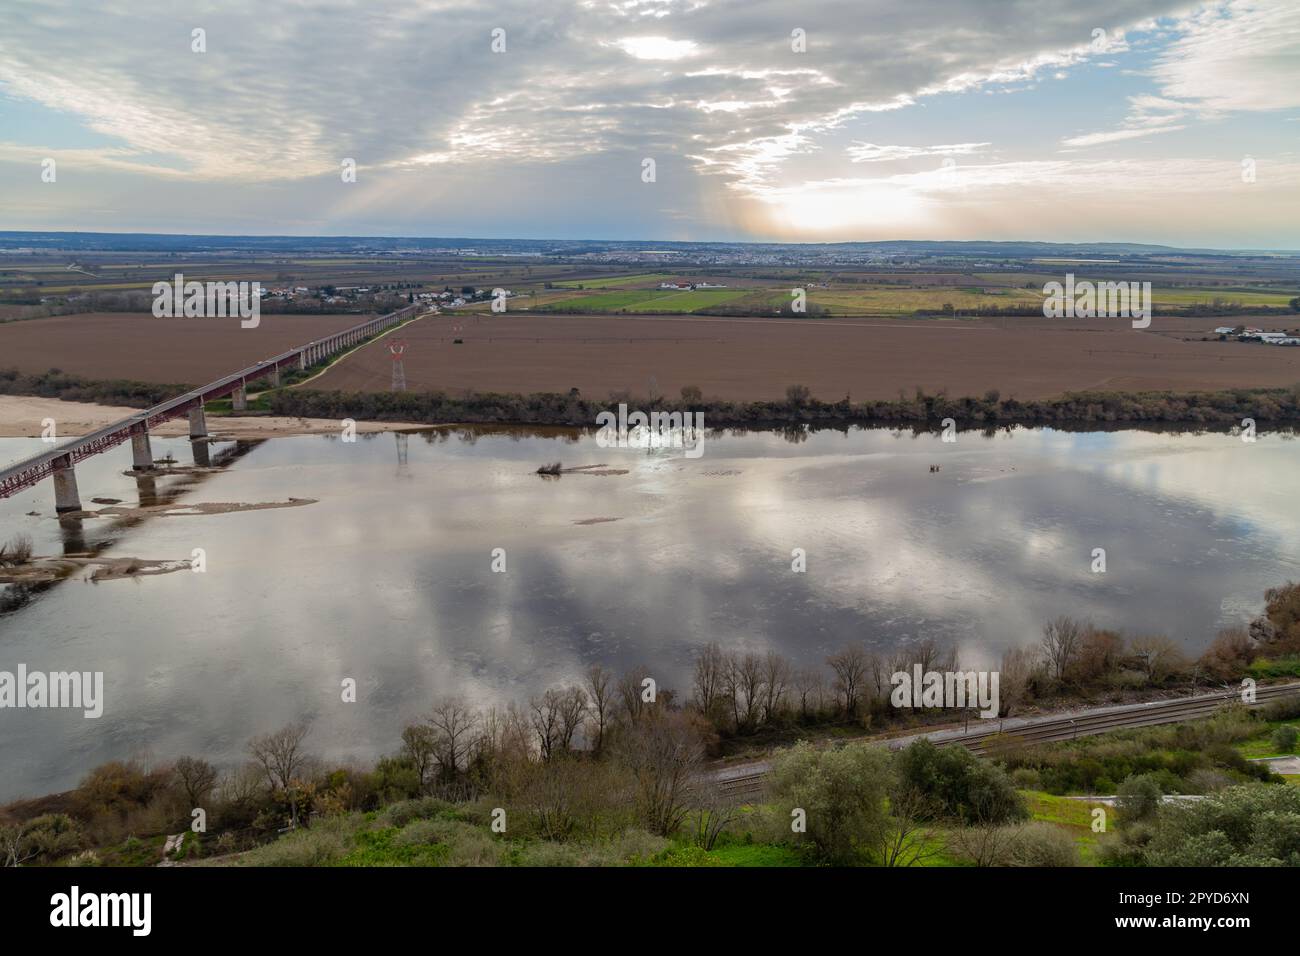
823 120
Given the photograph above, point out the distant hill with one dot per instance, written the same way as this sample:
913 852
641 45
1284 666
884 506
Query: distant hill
160 242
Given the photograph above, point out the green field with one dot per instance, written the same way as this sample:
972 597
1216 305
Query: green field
613 282
610 301
689 301
650 300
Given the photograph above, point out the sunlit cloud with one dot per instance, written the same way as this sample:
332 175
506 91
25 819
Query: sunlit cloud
738 120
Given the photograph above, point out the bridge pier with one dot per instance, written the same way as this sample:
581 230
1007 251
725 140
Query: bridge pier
239 399
198 423
141 453
66 497
202 452
274 377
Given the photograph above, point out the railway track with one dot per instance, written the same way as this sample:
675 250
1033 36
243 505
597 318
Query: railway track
1049 730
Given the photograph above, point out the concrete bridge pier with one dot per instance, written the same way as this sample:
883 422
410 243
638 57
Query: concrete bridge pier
141 453
274 377
202 452
239 399
66 497
198 423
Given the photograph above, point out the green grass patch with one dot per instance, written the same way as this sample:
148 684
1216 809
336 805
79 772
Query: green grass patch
689 301
379 848
757 854
610 301
133 851
612 282
1074 816
1281 667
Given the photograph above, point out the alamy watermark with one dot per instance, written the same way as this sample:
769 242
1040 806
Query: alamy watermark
955 689
82 690
1088 300
654 430
198 300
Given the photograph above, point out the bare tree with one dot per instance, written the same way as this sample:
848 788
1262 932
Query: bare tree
1060 645
878 673
17 845
452 722
419 743
850 668
600 690
662 753
573 708
776 683
985 844
1159 657
545 719
933 656
1100 652
707 683
903 838
808 687
713 808
629 694
281 758
744 683
1017 670
197 778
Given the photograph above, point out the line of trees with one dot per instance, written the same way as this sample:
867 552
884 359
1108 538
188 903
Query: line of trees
1225 409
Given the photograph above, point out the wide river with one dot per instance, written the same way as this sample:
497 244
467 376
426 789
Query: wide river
388 577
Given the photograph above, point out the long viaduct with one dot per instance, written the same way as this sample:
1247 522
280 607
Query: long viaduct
58 463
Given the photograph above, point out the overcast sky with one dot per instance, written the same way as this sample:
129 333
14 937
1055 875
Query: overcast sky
928 119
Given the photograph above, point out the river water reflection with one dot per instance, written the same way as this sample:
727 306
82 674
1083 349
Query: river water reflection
388 577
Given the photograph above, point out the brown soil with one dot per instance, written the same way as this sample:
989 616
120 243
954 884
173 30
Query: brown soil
754 358
132 345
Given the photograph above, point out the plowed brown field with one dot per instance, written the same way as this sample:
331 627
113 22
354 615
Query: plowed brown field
751 359
110 345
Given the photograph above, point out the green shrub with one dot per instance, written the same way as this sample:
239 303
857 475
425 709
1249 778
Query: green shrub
466 843
690 855
1284 739
1126 847
421 808
1208 781
1026 778
840 791
1040 843
546 853
635 844
961 786
1139 798
1287 708
1251 825
1279 667
320 845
